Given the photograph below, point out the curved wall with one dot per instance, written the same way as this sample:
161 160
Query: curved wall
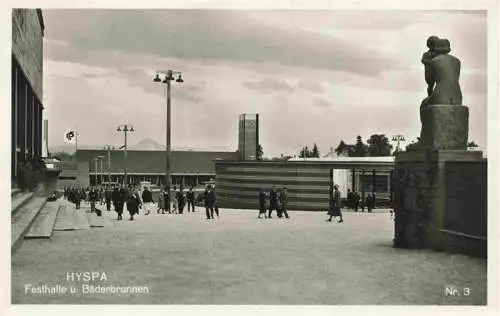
307 182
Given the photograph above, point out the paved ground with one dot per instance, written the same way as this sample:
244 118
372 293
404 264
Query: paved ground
238 259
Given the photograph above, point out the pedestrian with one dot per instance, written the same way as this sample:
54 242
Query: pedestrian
262 203
350 199
370 202
108 195
190 199
92 199
122 196
181 199
77 198
355 200
273 202
133 205
284 202
147 200
209 202
161 202
335 205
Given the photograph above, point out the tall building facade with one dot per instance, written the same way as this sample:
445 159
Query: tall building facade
27 85
248 136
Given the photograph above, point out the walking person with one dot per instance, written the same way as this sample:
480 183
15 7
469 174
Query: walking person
133 205
209 198
108 195
181 199
370 202
77 198
262 203
122 196
355 200
147 200
284 202
93 199
161 202
273 201
335 205
190 199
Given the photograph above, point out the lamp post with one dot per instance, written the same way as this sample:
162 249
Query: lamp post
398 138
125 128
95 170
168 76
108 149
101 158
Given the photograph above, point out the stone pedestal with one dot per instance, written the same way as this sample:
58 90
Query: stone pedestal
422 194
445 127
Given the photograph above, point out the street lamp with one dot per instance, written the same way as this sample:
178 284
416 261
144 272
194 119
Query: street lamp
125 128
96 159
101 158
398 138
168 76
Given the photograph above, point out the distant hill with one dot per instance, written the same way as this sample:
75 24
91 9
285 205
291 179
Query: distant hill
147 144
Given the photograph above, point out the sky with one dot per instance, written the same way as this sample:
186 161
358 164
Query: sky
313 76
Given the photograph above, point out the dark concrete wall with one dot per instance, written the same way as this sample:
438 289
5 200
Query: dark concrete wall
466 198
27 46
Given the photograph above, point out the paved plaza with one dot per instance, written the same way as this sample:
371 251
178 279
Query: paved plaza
238 259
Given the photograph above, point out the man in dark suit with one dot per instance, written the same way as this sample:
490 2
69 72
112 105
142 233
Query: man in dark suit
181 199
108 195
190 199
284 202
122 197
209 197
147 200
273 202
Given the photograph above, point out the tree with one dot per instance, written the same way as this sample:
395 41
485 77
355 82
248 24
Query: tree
379 146
304 152
259 153
315 151
360 149
343 149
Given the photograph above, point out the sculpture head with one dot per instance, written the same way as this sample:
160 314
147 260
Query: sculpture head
442 46
432 41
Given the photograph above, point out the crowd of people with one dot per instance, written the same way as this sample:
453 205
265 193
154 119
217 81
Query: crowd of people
120 196
273 200
354 200
30 172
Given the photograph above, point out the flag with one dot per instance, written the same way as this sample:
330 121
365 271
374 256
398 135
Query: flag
70 136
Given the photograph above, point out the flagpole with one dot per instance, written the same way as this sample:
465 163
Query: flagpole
76 139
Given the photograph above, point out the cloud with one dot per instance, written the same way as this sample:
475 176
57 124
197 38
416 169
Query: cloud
219 35
311 86
333 78
269 85
321 102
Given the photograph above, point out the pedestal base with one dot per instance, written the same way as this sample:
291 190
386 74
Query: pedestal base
444 127
430 188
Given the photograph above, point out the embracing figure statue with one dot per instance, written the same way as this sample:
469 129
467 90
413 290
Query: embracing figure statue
444 119
442 72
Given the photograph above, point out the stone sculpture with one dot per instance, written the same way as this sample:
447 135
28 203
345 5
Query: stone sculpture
444 119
